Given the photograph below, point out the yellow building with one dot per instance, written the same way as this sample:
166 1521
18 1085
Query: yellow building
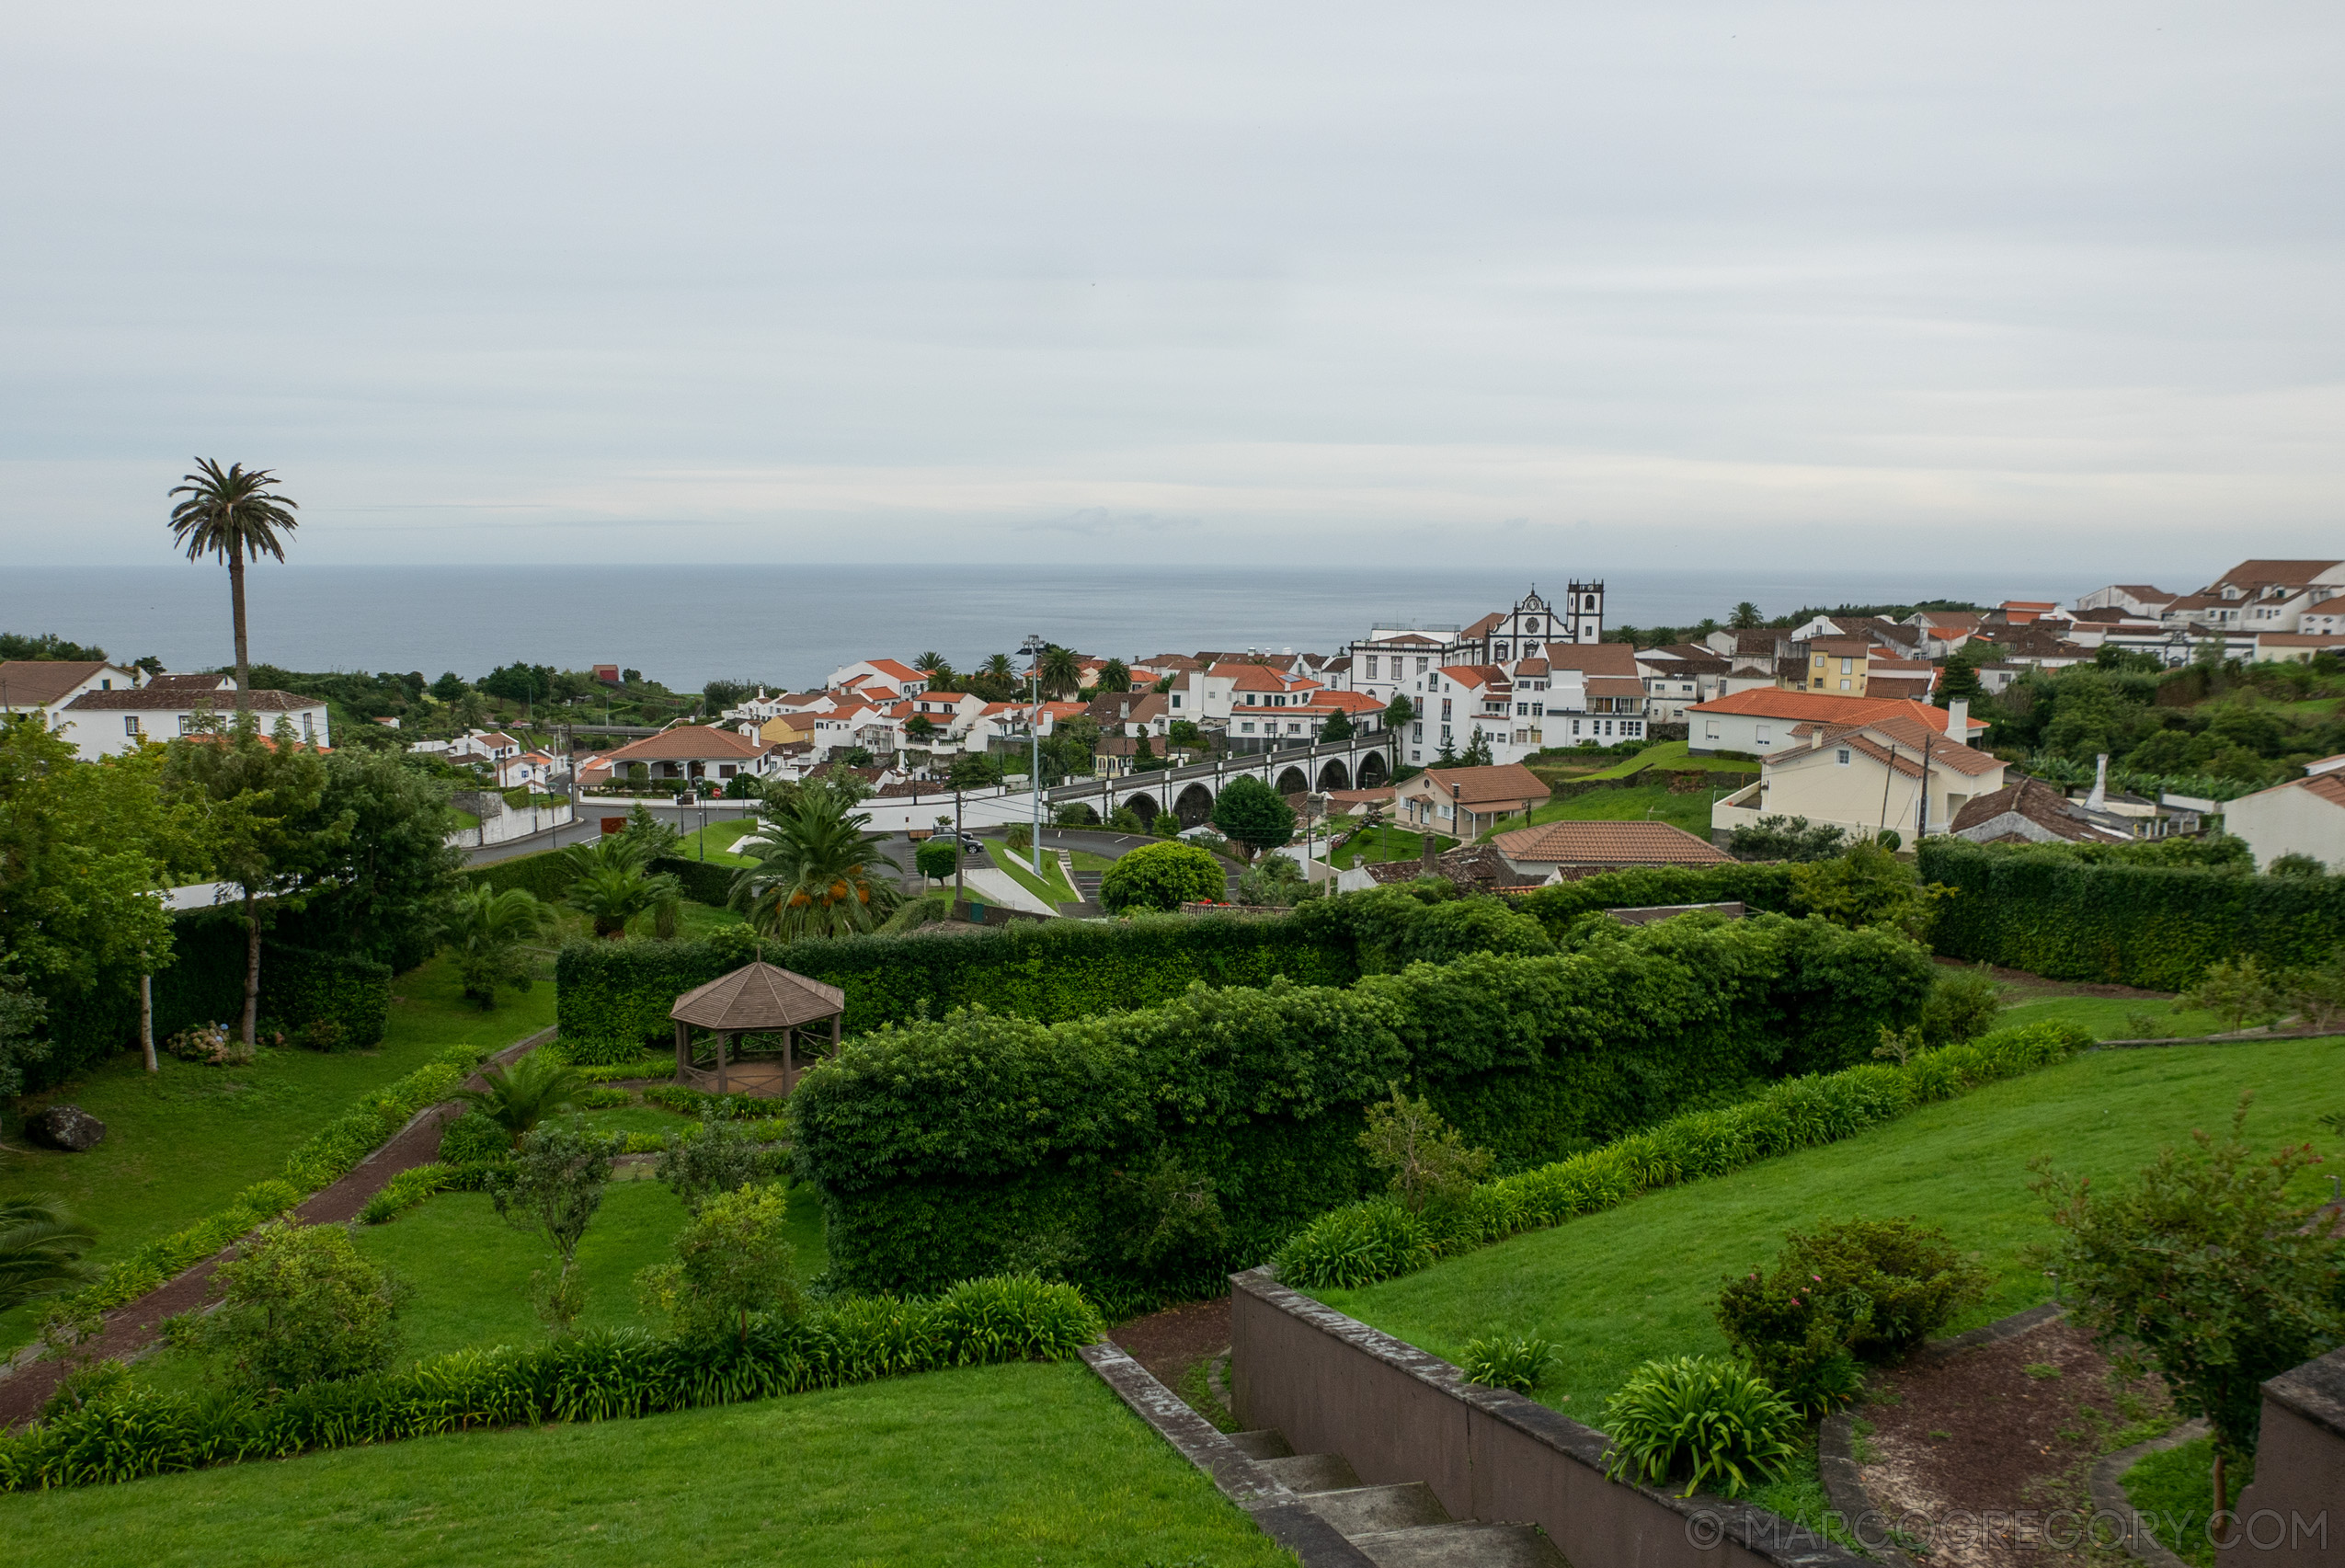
786 729
1837 665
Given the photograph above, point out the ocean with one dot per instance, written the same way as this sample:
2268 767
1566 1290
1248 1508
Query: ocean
790 626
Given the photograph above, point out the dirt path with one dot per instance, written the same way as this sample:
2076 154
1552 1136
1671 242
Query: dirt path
130 1328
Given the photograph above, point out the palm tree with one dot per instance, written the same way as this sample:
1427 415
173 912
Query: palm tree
519 1097
816 873
612 890
1060 673
1746 617
41 1249
931 661
1115 676
231 514
998 665
487 929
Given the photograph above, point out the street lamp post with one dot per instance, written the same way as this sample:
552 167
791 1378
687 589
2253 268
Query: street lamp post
1033 648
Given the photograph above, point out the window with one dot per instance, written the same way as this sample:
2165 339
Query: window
1416 732
1819 661
1445 708
1844 685
1539 710
725 769
106 684
1766 734
1847 665
186 723
1176 699
1421 666
309 725
1246 729
1842 757
131 725
1501 652
1371 674
1417 756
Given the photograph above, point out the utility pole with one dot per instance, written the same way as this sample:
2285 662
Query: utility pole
1033 649
960 898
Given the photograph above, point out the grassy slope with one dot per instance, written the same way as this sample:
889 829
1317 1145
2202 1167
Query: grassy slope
2105 1017
1674 755
1645 802
1615 1288
181 1143
1381 845
718 837
998 1465
1051 886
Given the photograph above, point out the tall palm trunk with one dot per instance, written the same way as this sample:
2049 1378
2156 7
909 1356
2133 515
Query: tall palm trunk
244 704
252 967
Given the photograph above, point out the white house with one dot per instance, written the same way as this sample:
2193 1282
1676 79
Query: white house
2301 817
109 721
46 686
892 673
1894 772
1595 696
695 751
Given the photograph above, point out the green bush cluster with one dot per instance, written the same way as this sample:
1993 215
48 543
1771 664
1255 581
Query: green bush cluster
406 1189
706 882
1703 1418
1863 1290
2158 927
327 1153
944 1147
548 876
1799 1112
594 1376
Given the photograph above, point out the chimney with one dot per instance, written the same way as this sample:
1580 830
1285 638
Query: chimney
1958 721
2099 799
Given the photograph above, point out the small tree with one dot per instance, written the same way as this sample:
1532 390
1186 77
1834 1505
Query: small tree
1426 1158
2316 996
1123 819
1477 754
1251 813
1144 757
1785 838
301 1303
552 1188
2208 1271
732 1262
920 729
1274 880
2239 991
1867 887
1337 727
2298 865
519 1097
1162 878
715 1158
1167 824
937 858
488 932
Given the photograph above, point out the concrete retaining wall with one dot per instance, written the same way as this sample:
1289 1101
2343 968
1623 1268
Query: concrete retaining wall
1334 1385
2293 1515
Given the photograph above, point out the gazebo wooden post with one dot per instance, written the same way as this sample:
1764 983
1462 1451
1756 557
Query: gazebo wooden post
721 1088
789 1061
684 1051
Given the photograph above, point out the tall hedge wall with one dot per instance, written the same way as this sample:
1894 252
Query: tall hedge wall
2154 926
1067 969
546 873
205 984
977 1142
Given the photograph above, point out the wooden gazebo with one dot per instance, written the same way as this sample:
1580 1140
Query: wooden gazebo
756 999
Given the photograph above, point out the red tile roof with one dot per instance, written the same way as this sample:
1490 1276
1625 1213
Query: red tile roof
1472 788
1608 844
1765 702
692 742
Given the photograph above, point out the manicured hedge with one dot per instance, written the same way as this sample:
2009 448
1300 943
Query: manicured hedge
706 881
606 1376
1060 969
2158 927
1378 1239
1051 970
945 1148
546 873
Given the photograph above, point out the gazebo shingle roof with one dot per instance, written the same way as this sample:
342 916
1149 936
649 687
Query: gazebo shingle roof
756 997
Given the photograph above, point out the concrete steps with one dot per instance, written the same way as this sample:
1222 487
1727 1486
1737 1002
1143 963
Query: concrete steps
1396 1526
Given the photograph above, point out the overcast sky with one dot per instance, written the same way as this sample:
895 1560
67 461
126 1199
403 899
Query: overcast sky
1785 284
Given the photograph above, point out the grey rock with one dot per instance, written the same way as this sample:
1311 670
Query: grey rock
68 1128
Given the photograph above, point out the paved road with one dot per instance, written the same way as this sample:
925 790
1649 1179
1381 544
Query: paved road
588 826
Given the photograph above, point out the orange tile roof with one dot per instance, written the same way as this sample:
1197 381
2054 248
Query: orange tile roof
1766 702
1609 843
1475 786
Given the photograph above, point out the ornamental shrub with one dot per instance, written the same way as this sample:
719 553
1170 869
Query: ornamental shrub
1862 1290
1507 1362
1162 878
732 1263
472 1139
301 1303
1357 1246
1250 812
1702 1418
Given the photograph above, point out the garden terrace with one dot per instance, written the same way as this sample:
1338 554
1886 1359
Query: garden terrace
1614 1289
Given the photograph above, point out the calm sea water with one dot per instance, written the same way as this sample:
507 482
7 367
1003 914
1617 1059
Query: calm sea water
790 625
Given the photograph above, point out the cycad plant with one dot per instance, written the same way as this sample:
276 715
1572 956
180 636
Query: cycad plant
816 873
41 1249
488 931
613 886
519 1097
235 515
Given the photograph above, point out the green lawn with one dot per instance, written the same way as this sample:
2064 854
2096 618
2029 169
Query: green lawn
1379 845
1674 756
182 1142
1051 885
1086 861
2173 1489
2105 1017
718 837
1612 1289
1643 803
999 1466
